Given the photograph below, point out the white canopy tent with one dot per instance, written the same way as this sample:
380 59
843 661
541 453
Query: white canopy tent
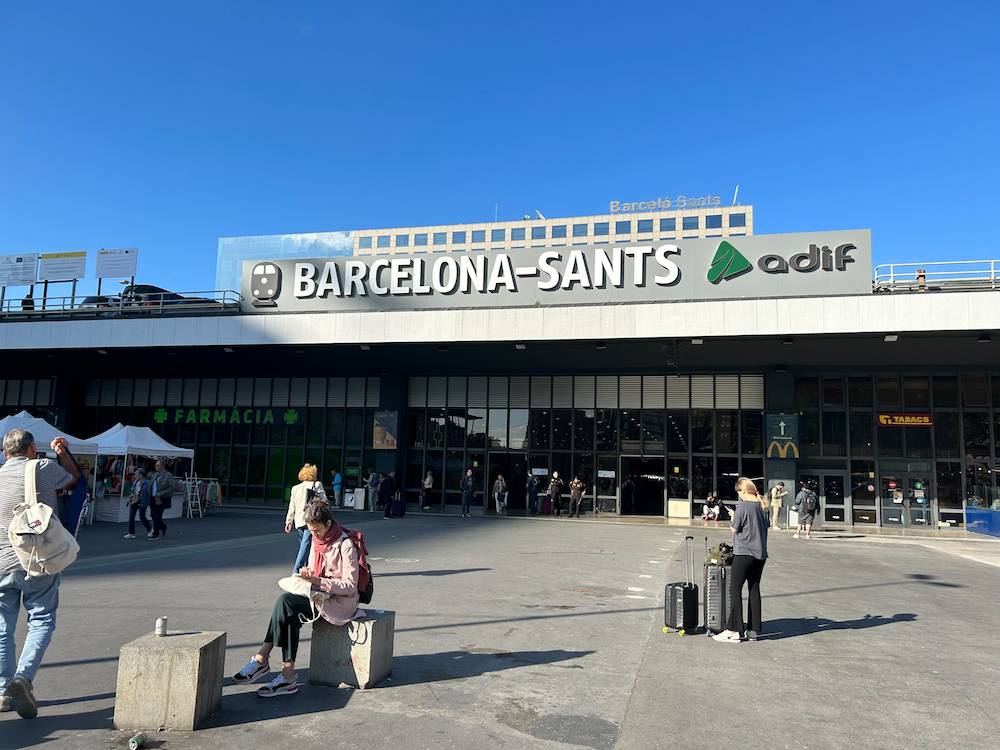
44 433
126 441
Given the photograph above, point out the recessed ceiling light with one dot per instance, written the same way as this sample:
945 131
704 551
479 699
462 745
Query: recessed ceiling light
984 338
227 349
442 348
786 340
697 342
300 351
365 348
891 338
102 351
601 346
520 347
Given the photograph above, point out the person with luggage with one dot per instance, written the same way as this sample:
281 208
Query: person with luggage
532 488
555 492
301 497
500 495
333 573
576 490
750 525
711 509
161 493
776 500
806 505
387 493
138 503
467 488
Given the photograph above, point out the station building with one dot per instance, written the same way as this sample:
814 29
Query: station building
657 368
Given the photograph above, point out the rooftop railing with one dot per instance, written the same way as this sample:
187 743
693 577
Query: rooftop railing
140 304
941 276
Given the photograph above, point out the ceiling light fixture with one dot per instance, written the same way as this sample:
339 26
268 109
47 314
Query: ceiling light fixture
697 342
601 346
984 338
227 349
891 338
102 351
520 347
442 348
365 348
786 341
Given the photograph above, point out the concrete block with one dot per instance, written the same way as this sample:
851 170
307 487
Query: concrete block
173 681
357 654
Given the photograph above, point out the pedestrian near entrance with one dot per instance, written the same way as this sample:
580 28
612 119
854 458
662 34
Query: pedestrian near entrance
711 509
161 498
555 492
500 495
138 503
425 493
576 490
806 505
532 488
333 570
467 488
750 525
777 499
303 494
387 493
338 488
374 479
39 594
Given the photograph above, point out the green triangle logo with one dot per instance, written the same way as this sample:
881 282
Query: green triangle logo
728 263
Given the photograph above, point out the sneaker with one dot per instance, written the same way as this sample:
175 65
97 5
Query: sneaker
252 671
751 635
151 535
795 535
129 536
22 697
727 636
6 704
278 686
808 536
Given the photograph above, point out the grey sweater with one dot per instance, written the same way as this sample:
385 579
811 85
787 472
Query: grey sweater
750 524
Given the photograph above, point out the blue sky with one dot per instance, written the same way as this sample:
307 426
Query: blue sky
164 128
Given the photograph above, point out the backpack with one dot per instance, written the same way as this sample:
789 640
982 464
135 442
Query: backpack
720 555
810 501
366 584
43 545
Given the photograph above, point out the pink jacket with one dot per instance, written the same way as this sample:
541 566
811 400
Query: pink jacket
339 578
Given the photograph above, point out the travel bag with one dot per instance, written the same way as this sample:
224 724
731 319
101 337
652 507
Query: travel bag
398 509
716 593
680 599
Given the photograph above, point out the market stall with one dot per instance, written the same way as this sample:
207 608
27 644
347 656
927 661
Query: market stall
44 433
123 448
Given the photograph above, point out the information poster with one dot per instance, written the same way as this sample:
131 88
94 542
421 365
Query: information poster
117 264
18 270
385 430
62 266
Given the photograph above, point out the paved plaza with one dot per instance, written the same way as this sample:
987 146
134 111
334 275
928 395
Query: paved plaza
544 633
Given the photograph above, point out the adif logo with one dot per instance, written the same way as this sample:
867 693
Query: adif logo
265 284
728 263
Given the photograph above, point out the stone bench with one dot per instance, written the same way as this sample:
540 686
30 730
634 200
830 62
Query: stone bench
172 681
358 654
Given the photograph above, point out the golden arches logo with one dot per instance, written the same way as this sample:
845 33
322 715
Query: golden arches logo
782 449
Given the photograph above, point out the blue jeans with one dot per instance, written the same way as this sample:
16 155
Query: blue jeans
41 599
305 545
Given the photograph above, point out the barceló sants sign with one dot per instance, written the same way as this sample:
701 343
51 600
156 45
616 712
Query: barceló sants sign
770 266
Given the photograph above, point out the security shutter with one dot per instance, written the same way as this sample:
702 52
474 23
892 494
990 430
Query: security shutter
298 396
279 392
436 391
140 396
209 392
583 392
417 396
520 392
107 391
157 392
607 391
43 392
3 388
456 391
124 397
478 389
373 393
653 392
13 395
727 392
262 391
541 392
336 392
317 392
355 391
498 391
227 391
28 392
678 392
93 394
701 392
630 391
190 391
244 392
752 391
175 389
562 391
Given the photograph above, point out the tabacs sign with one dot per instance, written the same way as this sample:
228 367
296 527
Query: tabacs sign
905 420
768 266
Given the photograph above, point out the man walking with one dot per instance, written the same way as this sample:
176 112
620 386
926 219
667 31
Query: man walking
39 594
467 487
806 505
162 493
777 499
387 492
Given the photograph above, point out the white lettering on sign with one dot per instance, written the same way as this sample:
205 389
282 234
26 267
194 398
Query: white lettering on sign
487 274
665 204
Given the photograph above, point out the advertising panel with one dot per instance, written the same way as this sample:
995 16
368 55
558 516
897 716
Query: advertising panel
18 270
118 263
384 430
62 266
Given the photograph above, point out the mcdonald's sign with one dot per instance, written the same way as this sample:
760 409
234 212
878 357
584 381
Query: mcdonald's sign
782 435
781 450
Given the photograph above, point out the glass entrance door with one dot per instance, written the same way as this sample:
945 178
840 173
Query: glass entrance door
642 486
831 489
906 501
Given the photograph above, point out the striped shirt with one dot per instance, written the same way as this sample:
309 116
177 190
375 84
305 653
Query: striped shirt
50 477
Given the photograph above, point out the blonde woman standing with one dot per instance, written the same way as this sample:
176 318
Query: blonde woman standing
750 524
302 496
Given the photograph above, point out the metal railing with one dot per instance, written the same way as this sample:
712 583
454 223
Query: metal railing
940 276
215 302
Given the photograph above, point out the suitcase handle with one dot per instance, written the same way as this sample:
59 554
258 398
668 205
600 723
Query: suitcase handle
689 567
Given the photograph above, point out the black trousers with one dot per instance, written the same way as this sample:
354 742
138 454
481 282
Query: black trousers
137 510
574 505
746 569
285 625
156 511
556 502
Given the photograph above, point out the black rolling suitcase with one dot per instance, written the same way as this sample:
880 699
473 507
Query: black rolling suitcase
716 594
680 600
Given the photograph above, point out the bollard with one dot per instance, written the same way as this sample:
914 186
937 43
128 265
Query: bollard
161 626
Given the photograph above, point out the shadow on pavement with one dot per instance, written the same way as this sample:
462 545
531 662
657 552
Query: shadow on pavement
432 573
417 669
776 630
19 733
923 578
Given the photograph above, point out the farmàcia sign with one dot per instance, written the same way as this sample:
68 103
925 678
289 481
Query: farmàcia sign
781 265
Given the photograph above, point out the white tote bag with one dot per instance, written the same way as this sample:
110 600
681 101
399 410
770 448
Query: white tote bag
43 546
